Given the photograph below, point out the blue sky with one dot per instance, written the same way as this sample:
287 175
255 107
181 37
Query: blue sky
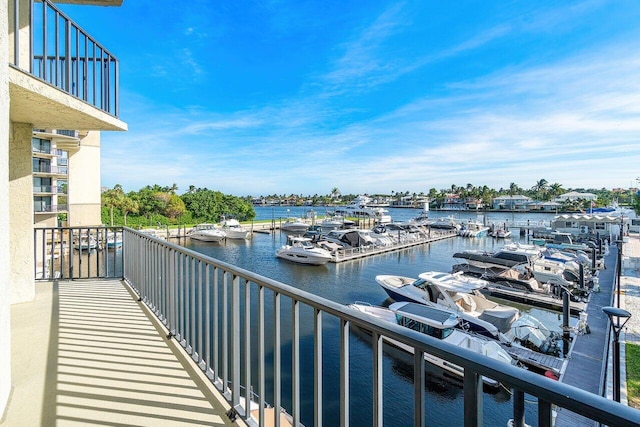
264 97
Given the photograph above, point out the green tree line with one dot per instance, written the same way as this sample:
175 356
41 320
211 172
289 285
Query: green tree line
156 205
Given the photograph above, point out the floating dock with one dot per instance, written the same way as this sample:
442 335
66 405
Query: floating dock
539 361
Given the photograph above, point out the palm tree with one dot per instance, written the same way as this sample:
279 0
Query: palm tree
555 190
540 188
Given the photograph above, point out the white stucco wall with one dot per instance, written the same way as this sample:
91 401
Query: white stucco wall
84 182
21 213
5 330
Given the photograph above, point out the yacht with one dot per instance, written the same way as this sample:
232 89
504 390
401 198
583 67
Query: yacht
207 233
294 225
361 207
233 229
460 294
336 222
301 250
440 324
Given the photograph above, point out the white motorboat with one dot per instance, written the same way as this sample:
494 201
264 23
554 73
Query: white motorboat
301 250
336 222
454 292
85 243
501 233
460 294
361 207
473 229
233 229
440 324
207 233
294 225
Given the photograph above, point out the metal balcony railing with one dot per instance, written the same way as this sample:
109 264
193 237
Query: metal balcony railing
65 132
64 55
43 189
38 208
236 324
78 252
52 169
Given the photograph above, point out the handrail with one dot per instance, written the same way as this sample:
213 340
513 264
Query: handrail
76 252
214 309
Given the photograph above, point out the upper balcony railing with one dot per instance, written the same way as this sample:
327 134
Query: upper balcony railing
254 336
44 208
51 169
64 55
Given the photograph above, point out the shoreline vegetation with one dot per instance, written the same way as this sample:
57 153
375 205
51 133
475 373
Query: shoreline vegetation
157 205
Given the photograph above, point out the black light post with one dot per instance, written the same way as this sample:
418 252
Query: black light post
616 327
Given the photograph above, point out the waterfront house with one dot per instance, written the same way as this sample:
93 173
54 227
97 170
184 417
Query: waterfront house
512 203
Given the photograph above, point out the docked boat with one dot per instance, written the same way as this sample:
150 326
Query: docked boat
447 223
506 257
454 292
207 233
501 233
114 241
336 222
301 250
361 207
440 324
461 295
473 229
233 229
85 243
294 225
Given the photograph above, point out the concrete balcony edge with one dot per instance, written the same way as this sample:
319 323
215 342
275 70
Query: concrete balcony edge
45 106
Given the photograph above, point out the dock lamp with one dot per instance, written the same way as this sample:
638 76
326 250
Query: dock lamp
616 327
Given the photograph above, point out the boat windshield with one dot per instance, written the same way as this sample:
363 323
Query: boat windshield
439 333
419 283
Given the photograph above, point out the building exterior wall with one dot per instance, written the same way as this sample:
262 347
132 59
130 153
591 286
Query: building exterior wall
84 182
5 329
21 213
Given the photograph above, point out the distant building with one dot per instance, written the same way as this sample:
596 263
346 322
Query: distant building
453 202
512 203
66 177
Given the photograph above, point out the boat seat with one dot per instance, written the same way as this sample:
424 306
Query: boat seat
466 303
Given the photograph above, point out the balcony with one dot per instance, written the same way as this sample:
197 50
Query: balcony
50 170
95 356
236 335
45 209
57 66
43 189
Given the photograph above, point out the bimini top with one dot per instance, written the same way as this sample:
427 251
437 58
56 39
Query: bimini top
452 282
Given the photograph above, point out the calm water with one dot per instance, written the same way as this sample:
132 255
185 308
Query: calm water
355 281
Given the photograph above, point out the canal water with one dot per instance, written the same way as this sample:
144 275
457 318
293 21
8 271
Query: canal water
354 281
